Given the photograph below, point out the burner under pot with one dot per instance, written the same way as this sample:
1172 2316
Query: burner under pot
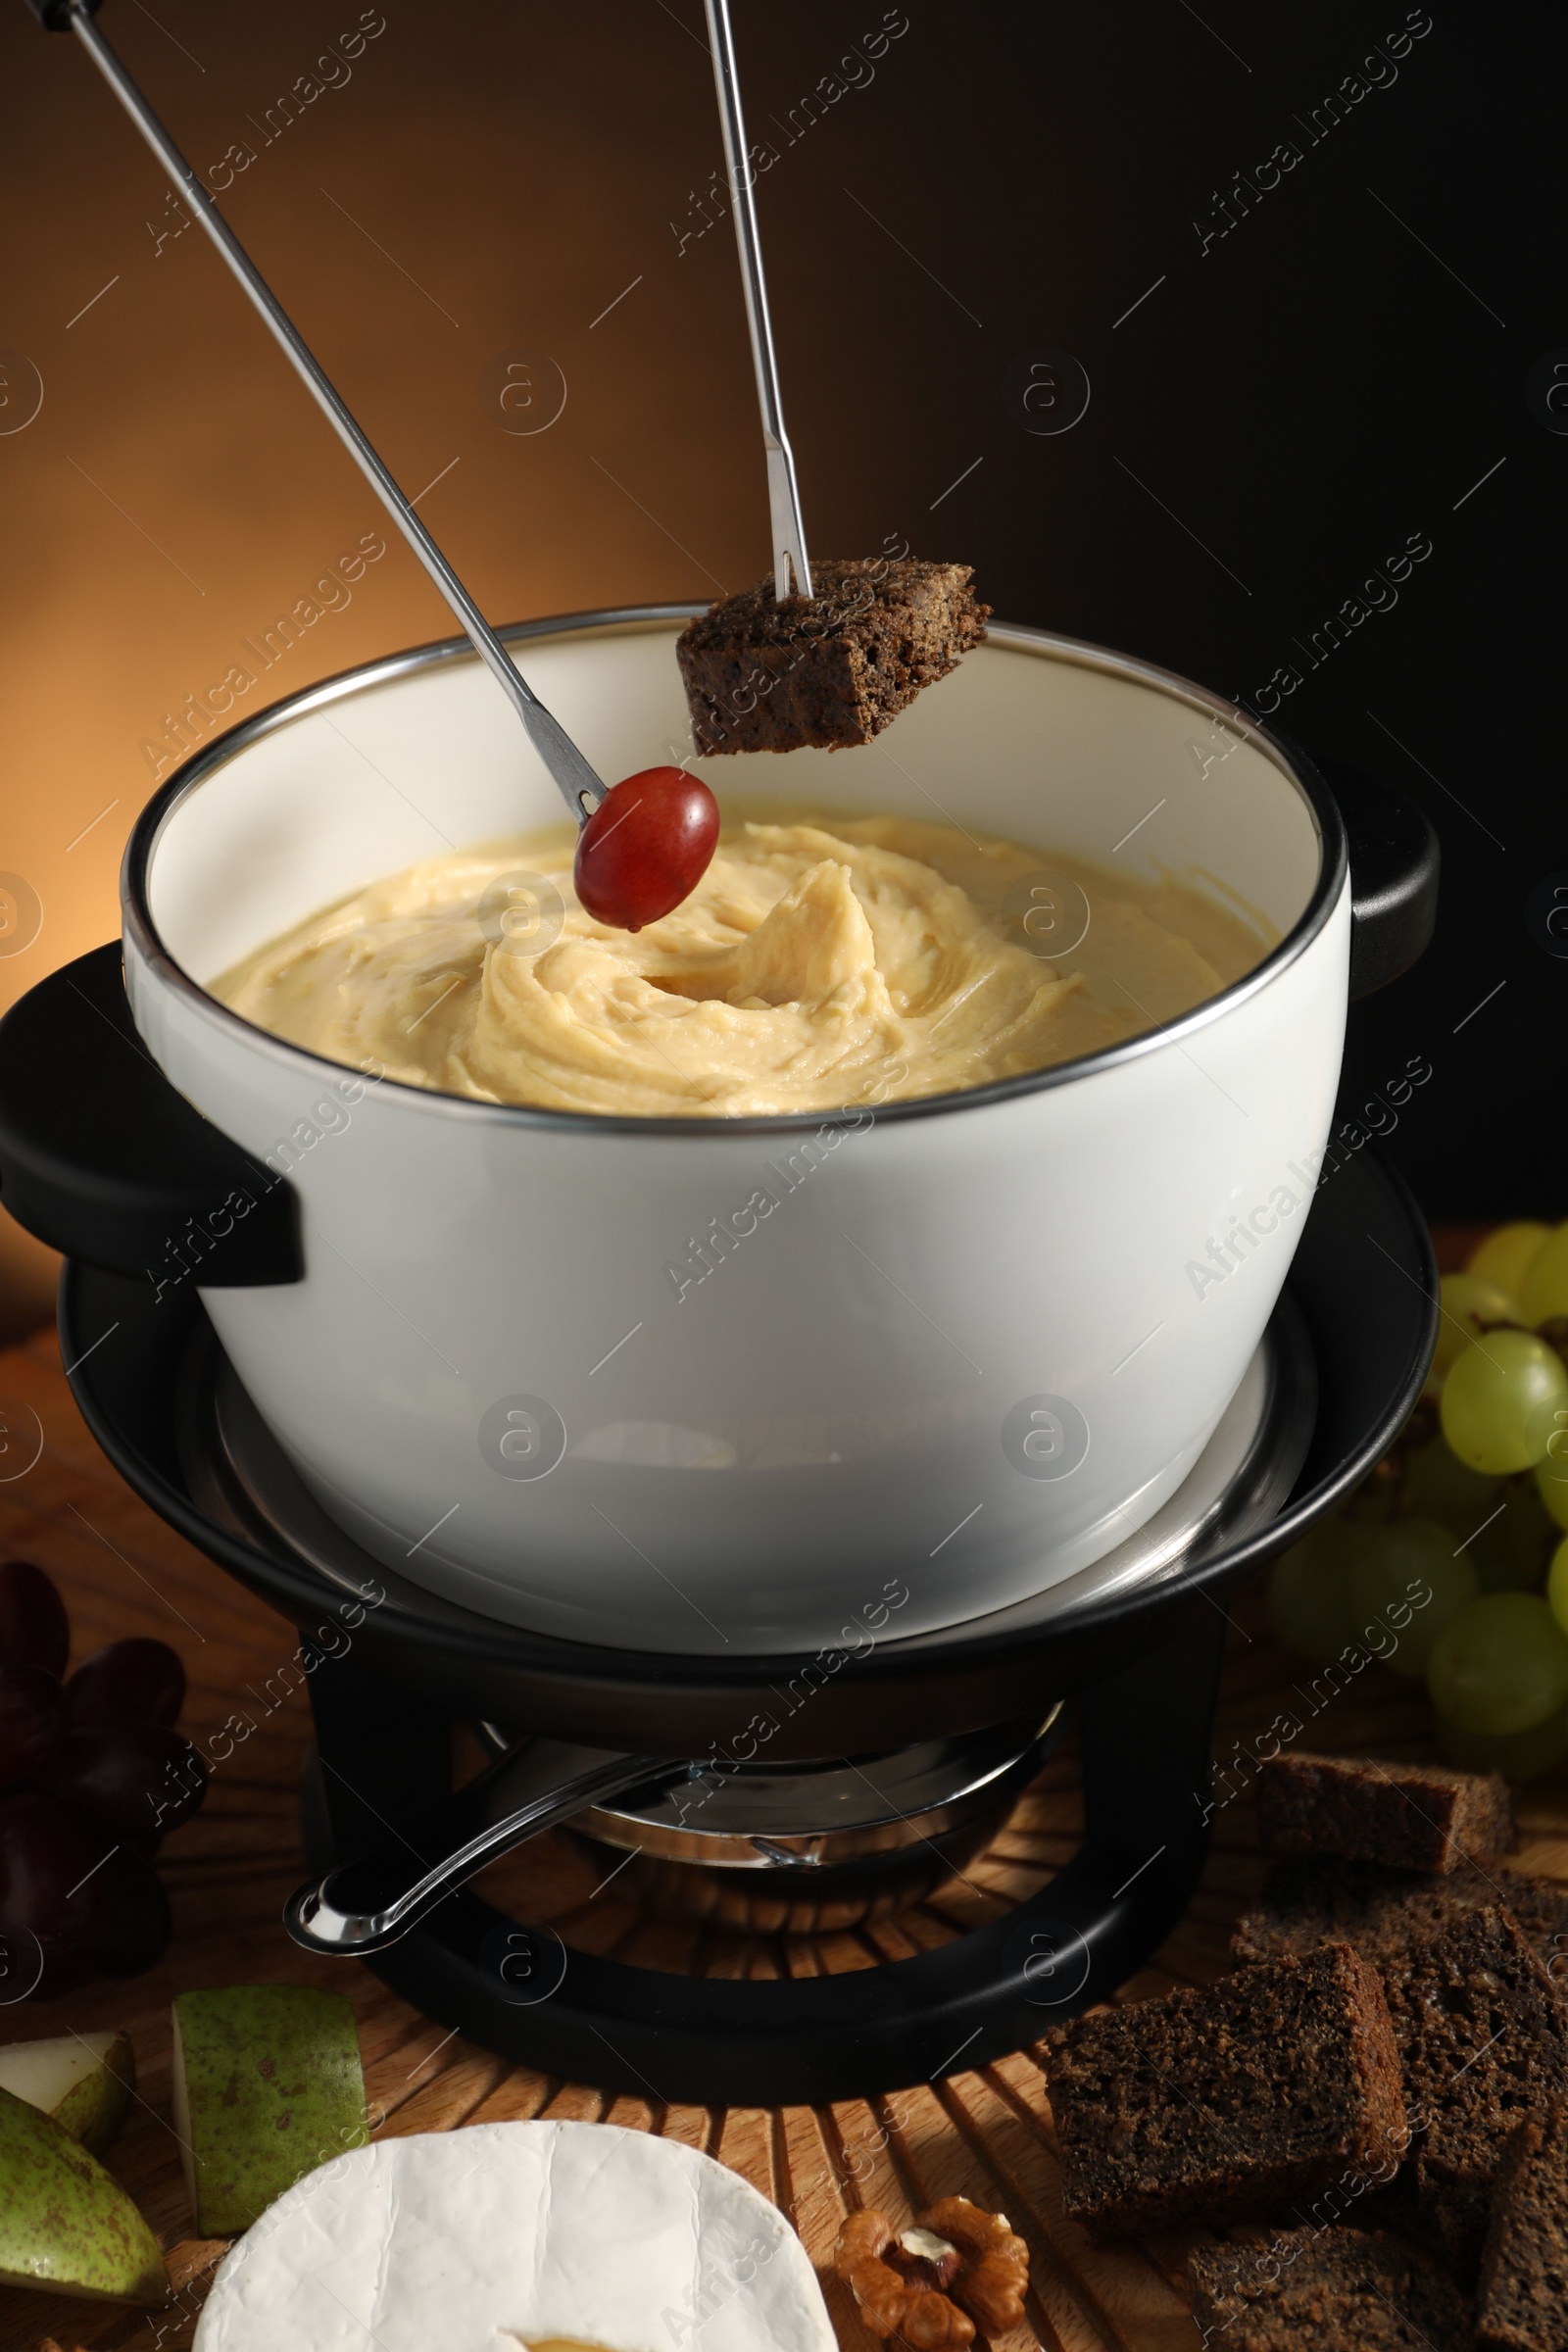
801 1849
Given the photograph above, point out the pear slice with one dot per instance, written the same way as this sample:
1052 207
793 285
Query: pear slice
64 2224
84 2080
267 2085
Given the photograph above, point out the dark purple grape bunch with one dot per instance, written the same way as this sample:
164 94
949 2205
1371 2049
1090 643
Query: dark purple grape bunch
92 1777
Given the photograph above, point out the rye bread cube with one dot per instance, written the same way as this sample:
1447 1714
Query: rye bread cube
1482 2043
1270 2087
1382 1912
830 669
1521 2303
1325 2291
1410 1816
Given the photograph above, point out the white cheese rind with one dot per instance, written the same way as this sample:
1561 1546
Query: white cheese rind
481 2238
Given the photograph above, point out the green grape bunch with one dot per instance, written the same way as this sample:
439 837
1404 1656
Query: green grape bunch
1460 1534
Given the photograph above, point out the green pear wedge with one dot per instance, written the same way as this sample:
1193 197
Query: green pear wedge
64 2224
267 2085
84 2080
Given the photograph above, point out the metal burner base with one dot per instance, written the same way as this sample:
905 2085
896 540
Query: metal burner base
722 2042
791 1850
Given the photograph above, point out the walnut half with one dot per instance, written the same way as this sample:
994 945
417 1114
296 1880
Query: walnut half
994 2261
927 2286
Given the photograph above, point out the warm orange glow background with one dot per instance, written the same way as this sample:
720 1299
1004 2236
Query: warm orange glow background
521 176
498 177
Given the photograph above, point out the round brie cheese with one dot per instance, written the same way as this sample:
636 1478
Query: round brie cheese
513 2234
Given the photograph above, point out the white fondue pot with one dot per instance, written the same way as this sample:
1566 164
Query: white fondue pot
705 1385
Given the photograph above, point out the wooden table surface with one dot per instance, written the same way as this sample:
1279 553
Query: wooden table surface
987 2134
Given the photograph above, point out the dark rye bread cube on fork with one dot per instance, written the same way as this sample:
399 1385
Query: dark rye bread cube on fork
1425 1817
829 669
1265 2089
1325 2291
1483 2044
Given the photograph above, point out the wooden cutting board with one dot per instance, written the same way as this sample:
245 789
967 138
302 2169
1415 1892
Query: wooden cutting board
986 2134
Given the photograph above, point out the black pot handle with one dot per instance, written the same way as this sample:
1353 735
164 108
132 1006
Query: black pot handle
100 1158
1395 862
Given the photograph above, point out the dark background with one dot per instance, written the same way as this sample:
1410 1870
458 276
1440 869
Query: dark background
1345 368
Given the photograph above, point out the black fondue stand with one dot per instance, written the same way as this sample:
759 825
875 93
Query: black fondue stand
100 1157
108 1165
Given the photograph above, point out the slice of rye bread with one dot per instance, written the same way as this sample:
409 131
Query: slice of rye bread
830 669
1522 2302
1215 2104
1482 2043
1326 2291
1382 1912
1410 1816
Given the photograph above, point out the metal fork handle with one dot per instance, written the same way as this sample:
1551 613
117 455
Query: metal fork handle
783 491
580 787
324 1917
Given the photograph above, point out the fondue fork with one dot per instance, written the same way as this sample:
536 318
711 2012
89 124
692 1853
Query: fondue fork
655 863
581 788
783 491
